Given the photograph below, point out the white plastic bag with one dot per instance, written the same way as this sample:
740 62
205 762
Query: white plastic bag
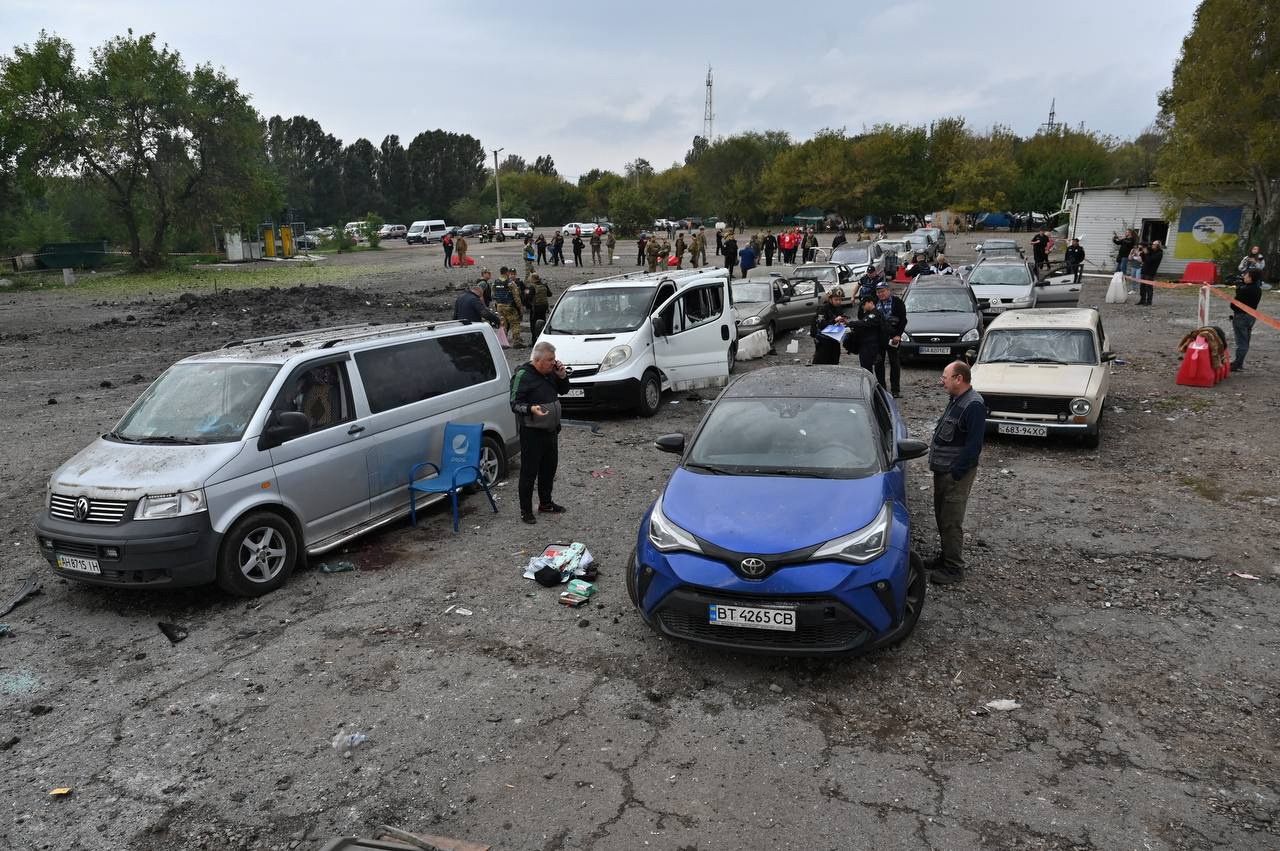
1117 291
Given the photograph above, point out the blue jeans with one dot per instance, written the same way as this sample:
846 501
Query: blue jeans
1121 262
1242 324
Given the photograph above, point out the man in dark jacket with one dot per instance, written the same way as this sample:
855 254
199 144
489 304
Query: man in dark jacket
470 307
867 284
536 388
839 240
1040 249
1151 256
1249 293
894 311
1075 259
1123 246
953 458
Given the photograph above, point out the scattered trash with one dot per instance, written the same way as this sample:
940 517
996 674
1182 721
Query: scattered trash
1003 705
675 402
60 792
347 741
4 629
1239 575
29 588
466 613
425 841
172 631
8 743
573 601
40 709
793 347
336 566
775 688
560 563
581 588
603 473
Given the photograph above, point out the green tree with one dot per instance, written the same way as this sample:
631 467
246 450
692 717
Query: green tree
162 139
1048 162
513 164
632 208
1133 163
393 179
1222 109
984 176
370 226
360 188
597 190
445 167
544 165
823 172
730 170
308 164
696 150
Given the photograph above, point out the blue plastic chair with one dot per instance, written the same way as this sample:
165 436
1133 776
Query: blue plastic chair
459 466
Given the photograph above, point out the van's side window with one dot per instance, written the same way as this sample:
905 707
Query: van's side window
323 393
410 372
700 305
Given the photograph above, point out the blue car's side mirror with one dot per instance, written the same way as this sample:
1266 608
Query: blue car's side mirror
670 443
910 448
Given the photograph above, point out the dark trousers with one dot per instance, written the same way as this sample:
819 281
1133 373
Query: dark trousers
729 264
536 312
539 456
448 255
950 500
768 258
1242 325
577 256
1076 270
1145 292
542 254
868 360
892 355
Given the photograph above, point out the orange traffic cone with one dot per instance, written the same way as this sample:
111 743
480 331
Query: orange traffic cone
1196 371
900 276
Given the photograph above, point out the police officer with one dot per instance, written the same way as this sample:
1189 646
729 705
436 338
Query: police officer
1075 259
953 458
506 299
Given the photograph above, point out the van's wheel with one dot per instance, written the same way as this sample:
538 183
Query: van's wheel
258 554
493 461
650 394
733 356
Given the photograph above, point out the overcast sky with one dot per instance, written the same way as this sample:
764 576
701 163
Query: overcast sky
599 84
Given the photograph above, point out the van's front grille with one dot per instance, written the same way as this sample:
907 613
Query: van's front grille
63 507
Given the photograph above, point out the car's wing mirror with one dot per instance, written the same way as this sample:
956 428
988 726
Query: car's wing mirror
286 425
970 355
909 448
671 443
659 327
1108 356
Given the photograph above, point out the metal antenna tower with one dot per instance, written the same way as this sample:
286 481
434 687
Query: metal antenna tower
1051 126
708 116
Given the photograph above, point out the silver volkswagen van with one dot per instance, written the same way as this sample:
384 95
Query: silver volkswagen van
236 462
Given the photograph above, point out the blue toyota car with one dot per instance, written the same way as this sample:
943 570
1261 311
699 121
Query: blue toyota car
785 527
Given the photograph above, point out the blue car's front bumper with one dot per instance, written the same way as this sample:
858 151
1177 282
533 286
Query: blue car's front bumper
839 607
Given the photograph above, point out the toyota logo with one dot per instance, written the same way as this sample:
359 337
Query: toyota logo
82 508
753 567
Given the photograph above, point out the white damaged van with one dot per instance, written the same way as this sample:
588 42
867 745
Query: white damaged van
629 338
236 462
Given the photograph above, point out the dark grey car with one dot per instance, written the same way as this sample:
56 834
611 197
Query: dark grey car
768 303
944 318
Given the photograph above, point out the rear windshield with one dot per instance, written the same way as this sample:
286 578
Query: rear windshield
197 403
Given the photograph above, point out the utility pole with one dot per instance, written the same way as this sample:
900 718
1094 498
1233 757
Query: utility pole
1051 126
497 186
708 116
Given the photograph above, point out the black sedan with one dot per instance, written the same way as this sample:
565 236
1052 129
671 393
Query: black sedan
944 319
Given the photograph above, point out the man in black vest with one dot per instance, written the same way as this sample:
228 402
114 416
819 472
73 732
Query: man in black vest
953 458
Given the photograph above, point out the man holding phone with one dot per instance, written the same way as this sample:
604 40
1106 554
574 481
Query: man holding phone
536 388
894 311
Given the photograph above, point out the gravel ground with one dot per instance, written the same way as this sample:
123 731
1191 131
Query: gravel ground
1101 599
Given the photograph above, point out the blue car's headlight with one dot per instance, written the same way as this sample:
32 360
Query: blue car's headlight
666 536
864 545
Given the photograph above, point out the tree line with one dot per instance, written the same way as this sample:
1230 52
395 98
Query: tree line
143 151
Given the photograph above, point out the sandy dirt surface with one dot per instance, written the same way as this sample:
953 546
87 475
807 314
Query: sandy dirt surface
1101 599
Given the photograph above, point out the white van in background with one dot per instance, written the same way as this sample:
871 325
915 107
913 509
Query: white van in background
512 228
426 231
630 337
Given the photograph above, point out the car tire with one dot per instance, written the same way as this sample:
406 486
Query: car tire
493 460
258 554
913 605
650 394
1091 441
632 593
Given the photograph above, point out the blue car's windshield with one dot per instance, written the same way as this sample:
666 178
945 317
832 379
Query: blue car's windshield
823 438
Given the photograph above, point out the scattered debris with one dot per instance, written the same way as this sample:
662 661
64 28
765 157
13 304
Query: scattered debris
40 709
568 562
426 842
174 632
347 741
1004 704
603 473
4 629
573 601
594 428
60 792
8 743
29 588
1239 575
775 688
336 566
466 613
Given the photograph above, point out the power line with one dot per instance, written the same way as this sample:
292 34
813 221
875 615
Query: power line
708 115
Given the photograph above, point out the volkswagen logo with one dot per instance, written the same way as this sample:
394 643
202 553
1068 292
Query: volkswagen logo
753 567
82 507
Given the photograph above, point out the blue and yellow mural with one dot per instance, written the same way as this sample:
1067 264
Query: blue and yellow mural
1200 229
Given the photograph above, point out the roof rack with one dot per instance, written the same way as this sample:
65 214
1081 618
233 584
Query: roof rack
661 275
361 330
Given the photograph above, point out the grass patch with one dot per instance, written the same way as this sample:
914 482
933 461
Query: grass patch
186 278
1195 404
1206 487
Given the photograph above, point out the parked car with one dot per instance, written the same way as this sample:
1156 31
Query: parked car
584 228
858 257
308 241
943 318
760 302
1045 372
392 232
938 235
236 462
628 338
920 243
1008 283
510 228
998 248
470 231
785 526
427 231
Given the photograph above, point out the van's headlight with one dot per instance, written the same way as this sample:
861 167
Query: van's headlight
666 536
617 356
1081 407
1026 299
864 545
970 336
158 506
